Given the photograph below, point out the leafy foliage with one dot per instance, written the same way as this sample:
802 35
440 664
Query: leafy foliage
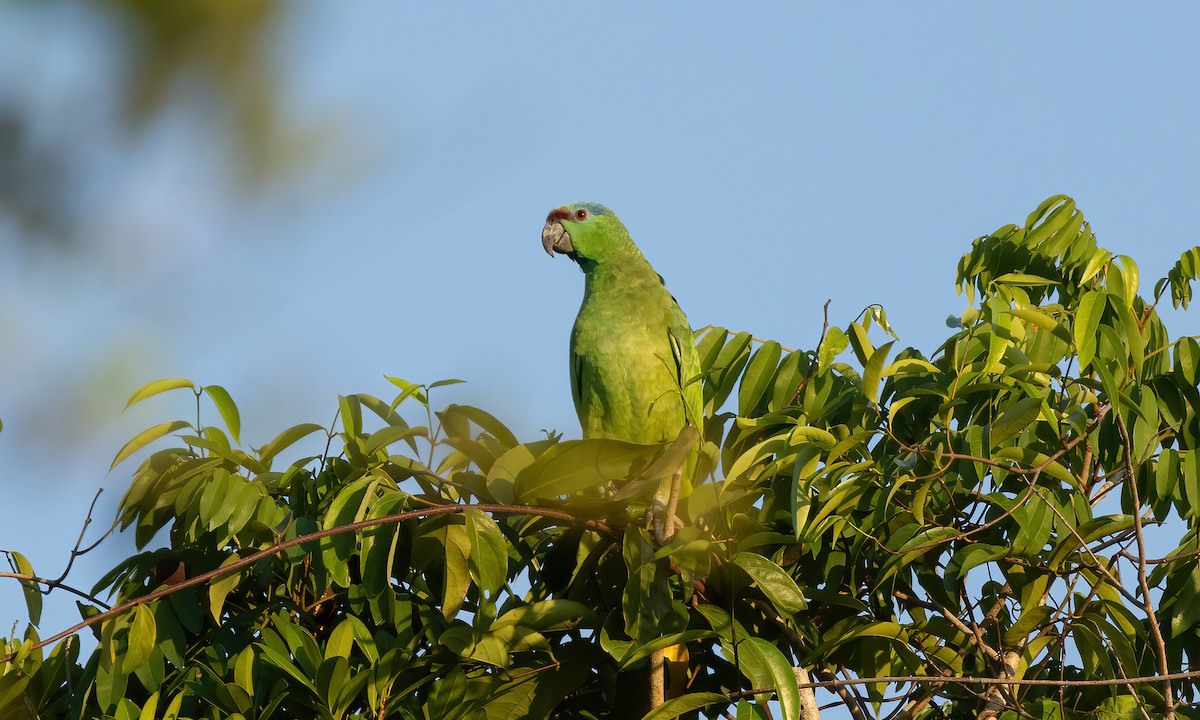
964 533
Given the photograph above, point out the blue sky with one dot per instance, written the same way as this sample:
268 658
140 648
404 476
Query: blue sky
766 158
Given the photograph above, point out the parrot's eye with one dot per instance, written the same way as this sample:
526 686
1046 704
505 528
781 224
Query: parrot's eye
581 214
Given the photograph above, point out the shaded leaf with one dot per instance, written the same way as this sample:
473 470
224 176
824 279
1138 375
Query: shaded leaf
1014 419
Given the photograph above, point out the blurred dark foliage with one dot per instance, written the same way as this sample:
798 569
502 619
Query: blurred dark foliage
213 58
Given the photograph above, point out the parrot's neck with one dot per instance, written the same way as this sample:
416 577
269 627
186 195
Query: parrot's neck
631 279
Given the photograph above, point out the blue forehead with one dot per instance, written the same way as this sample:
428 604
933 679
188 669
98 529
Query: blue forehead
592 208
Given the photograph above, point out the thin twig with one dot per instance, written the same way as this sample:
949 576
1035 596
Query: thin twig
812 366
52 584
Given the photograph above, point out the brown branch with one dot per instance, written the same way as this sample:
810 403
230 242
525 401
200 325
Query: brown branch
973 680
1160 645
319 535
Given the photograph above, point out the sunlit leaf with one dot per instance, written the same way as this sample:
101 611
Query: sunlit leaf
227 408
874 371
758 374
1087 320
442 383
409 389
488 560
777 585
286 439
29 588
158 386
766 667
574 465
389 434
220 588
146 437
487 421
141 639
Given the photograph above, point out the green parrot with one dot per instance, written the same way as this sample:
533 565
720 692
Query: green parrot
633 356
634 367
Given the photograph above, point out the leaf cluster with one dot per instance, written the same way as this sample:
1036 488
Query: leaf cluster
956 534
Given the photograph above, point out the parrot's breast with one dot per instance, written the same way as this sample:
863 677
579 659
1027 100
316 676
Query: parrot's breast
624 371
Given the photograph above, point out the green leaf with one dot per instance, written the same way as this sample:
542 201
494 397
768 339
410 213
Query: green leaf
1014 419
220 588
410 389
29 588
146 437
351 411
243 669
908 366
834 344
1046 206
487 421
776 584
158 386
1037 317
1024 280
488 561
443 383
811 434
1130 277
647 605
150 708
285 663
1032 458
766 667
389 434
227 408
874 371
142 635
172 712
1099 260
757 377
1189 469
286 439
675 707
457 569
1035 520
968 557
1087 322
546 615
574 465
863 349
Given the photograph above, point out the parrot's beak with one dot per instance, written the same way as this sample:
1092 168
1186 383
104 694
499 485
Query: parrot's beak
555 238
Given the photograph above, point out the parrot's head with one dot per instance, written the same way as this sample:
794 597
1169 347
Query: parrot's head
588 233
